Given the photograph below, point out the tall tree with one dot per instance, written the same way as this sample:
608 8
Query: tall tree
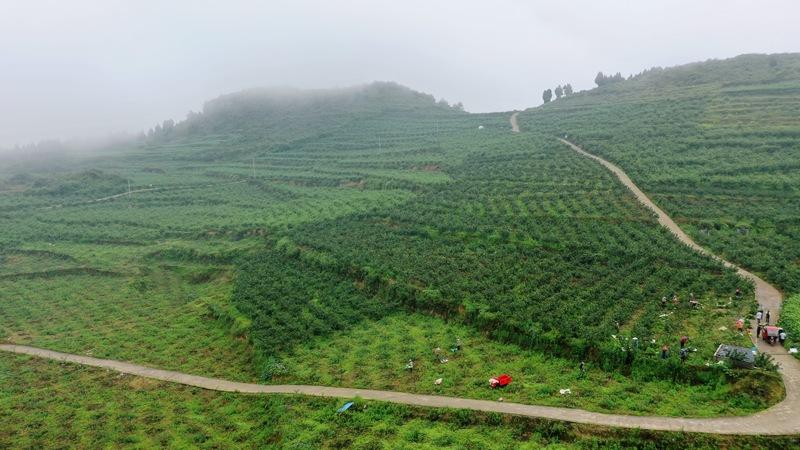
600 79
559 91
547 95
567 89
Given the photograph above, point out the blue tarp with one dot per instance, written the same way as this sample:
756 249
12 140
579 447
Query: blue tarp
345 407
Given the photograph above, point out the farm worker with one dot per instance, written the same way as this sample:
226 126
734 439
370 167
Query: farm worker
582 368
767 317
664 351
758 330
684 340
410 365
740 324
738 293
684 354
675 299
664 301
782 336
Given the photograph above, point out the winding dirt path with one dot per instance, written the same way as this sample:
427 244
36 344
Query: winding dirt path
766 294
781 419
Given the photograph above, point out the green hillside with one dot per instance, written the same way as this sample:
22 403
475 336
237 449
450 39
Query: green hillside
716 144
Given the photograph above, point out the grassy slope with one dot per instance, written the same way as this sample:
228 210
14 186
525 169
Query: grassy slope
169 253
715 144
160 319
45 404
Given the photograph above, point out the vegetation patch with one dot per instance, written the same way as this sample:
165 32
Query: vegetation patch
374 355
46 404
790 321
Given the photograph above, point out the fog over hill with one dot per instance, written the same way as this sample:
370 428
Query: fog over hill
89 68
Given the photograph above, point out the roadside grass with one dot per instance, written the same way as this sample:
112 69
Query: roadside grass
155 318
46 404
374 354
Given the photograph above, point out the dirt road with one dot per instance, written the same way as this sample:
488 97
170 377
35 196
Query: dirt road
780 419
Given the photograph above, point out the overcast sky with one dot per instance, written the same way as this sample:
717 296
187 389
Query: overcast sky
86 68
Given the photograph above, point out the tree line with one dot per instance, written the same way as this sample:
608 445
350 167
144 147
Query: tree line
560 91
602 79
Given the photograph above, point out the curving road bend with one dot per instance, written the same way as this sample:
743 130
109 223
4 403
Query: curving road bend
766 294
781 419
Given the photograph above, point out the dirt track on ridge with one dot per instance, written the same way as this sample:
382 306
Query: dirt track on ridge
514 124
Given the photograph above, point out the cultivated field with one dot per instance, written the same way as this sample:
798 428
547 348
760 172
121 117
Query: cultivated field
332 238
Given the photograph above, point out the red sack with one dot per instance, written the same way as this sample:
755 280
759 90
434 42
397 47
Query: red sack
503 380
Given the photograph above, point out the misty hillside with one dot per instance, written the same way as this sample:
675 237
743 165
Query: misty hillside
737 71
272 116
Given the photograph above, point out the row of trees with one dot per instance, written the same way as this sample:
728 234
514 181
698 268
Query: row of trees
560 91
602 79
161 131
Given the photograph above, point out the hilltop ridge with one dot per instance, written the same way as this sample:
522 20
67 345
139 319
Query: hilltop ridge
276 113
